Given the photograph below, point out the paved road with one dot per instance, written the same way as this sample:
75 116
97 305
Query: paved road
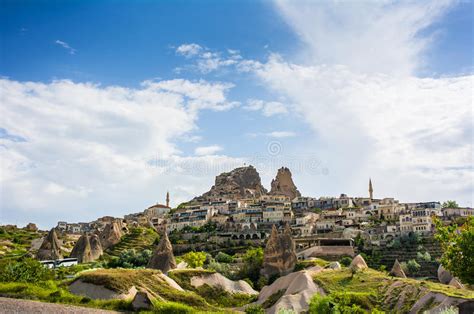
8 305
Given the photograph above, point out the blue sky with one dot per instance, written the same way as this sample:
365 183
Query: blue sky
343 91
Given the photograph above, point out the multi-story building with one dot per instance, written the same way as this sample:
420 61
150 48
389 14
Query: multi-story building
457 212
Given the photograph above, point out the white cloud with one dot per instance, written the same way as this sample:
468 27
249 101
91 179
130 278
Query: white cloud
207 150
281 134
199 95
206 60
66 46
268 109
88 150
274 134
371 115
367 36
188 50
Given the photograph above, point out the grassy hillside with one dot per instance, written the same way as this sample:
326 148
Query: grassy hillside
138 239
15 242
213 295
121 280
371 289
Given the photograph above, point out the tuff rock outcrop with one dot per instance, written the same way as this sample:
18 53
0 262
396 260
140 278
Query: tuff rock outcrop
163 257
296 290
50 248
87 248
456 283
397 270
243 182
218 280
334 265
111 234
283 184
142 300
280 253
31 227
358 263
444 276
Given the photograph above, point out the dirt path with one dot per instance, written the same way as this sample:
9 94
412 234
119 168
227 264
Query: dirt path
8 305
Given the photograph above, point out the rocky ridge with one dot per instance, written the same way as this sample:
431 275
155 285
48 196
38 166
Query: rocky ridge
243 182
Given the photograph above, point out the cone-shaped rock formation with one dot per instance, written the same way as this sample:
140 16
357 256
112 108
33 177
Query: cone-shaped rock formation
163 258
358 263
397 270
111 235
279 254
283 184
87 248
50 248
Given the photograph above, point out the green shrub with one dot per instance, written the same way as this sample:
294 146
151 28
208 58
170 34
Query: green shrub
254 309
320 304
28 270
130 259
221 268
413 267
222 257
194 259
271 300
223 298
396 244
345 261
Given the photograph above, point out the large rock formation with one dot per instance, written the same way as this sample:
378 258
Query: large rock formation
31 227
217 280
87 248
397 270
283 184
163 258
296 290
243 182
50 248
142 301
279 254
444 276
111 234
358 263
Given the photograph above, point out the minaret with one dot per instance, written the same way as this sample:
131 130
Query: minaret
167 199
371 189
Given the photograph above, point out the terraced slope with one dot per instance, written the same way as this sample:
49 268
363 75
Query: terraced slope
15 242
137 239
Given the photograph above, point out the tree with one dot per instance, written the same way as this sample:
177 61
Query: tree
253 260
194 259
457 243
130 258
450 204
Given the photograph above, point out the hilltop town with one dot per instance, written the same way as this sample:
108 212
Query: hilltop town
241 248
238 207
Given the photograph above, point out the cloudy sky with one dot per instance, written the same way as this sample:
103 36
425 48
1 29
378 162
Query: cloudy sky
106 105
